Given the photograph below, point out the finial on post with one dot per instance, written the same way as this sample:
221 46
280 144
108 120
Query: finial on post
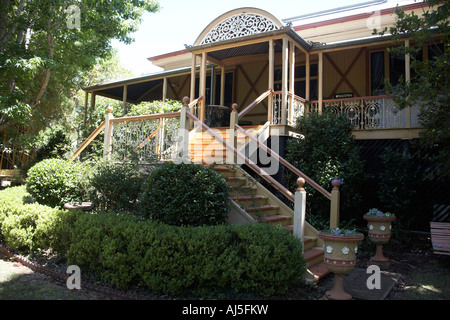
234 107
336 183
186 101
300 184
110 109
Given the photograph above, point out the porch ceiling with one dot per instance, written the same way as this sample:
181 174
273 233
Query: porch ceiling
143 88
250 49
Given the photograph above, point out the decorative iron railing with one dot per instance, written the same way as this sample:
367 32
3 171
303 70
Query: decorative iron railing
295 108
374 112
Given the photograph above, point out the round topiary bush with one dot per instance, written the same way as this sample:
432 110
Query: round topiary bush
54 182
116 186
185 194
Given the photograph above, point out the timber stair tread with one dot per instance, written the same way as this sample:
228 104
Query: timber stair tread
265 207
319 270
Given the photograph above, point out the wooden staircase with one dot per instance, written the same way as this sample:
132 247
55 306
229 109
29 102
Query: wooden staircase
253 198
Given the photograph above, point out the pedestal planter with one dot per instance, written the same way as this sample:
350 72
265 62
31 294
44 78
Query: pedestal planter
340 257
379 230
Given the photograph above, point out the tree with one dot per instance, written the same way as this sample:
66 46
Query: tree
429 84
327 151
46 46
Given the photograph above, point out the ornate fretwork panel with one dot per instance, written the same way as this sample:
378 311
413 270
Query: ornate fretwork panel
147 140
239 25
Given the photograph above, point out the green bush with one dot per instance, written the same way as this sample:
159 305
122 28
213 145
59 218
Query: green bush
30 226
116 186
328 151
54 182
156 106
127 252
185 194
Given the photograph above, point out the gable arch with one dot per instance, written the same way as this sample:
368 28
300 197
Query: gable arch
238 23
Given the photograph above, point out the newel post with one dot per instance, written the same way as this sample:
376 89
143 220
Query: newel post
231 157
183 134
108 135
335 204
299 210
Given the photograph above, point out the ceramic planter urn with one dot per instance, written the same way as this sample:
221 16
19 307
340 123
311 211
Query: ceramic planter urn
340 257
379 230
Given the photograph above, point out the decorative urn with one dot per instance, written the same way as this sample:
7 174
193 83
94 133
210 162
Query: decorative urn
340 248
379 226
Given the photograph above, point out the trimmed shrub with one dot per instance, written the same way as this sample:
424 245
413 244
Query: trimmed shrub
54 182
116 186
185 194
127 252
30 226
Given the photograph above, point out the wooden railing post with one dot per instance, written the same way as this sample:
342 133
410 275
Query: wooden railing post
183 135
234 119
108 135
299 210
335 203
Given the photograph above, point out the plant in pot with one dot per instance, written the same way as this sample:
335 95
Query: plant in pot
340 248
379 226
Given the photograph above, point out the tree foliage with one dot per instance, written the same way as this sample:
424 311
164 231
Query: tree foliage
429 83
47 46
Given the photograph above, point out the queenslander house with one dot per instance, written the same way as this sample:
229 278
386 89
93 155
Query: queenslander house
247 78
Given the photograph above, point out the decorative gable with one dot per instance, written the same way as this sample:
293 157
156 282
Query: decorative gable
239 25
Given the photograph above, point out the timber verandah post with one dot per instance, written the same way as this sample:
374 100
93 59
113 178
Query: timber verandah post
108 135
335 204
183 135
234 120
299 211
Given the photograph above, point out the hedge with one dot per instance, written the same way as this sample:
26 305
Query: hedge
129 252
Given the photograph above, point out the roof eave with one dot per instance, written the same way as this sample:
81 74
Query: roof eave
259 36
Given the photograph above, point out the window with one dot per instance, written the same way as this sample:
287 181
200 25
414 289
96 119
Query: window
396 68
377 73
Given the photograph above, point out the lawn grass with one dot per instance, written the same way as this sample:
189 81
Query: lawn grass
431 282
20 283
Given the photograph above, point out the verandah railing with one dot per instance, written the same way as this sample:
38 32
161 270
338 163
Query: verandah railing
372 112
365 113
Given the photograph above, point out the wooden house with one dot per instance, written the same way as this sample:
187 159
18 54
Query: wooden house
248 67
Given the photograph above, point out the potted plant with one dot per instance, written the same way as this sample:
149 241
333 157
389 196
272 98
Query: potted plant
340 248
379 226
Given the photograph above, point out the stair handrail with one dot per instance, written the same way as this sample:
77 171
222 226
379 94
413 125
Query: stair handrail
296 97
287 164
88 141
254 103
263 174
167 115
